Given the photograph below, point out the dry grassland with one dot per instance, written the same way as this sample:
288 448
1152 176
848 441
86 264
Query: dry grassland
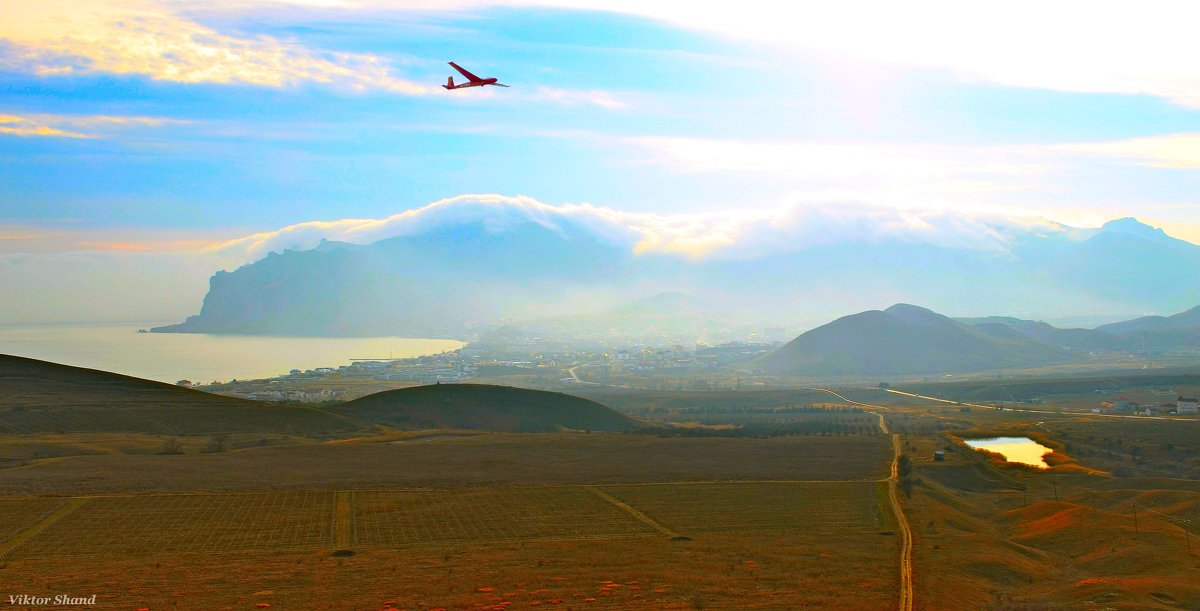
751 546
480 461
717 571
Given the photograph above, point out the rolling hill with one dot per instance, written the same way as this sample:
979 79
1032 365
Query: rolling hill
1189 320
906 339
1075 339
43 397
482 406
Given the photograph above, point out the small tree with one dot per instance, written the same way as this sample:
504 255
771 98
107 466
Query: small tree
171 446
216 443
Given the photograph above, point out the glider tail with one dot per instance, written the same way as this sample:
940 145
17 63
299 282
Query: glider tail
449 82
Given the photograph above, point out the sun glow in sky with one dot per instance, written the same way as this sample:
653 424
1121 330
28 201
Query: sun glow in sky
141 138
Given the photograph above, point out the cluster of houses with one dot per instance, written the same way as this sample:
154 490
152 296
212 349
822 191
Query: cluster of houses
425 375
303 396
1182 405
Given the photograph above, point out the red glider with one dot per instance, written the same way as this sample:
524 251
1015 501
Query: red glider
472 80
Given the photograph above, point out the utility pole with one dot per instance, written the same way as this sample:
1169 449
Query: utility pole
1054 484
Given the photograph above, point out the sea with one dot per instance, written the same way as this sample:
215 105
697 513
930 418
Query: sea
201 358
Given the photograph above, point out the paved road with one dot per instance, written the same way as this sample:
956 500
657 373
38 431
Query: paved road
1031 411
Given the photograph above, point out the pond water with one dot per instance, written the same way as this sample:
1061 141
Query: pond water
1014 449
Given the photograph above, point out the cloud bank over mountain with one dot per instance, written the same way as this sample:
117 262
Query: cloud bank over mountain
495 256
476 259
715 235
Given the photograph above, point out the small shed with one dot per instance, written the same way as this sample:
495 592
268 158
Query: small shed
939 455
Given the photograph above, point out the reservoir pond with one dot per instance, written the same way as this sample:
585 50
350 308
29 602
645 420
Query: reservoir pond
1014 449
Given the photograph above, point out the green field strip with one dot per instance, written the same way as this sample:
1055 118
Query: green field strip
33 531
633 512
343 521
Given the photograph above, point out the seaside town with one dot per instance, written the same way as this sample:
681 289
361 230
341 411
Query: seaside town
541 362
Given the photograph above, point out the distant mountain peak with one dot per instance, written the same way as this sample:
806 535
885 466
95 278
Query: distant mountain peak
908 308
1132 226
914 313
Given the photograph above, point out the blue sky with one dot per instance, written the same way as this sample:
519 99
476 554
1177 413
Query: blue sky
142 135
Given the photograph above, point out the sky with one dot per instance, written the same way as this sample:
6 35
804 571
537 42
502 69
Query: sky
145 144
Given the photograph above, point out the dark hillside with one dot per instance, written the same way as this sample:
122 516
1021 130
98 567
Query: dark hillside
906 339
43 397
1189 320
485 407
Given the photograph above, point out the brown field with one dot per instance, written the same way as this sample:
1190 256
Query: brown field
156 524
469 521
828 508
716 571
468 548
400 518
482 460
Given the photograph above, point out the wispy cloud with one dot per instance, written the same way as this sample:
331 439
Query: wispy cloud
1178 151
594 97
80 126
25 239
14 125
142 37
886 172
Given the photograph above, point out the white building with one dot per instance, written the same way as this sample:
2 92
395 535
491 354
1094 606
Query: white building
1125 405
1187 405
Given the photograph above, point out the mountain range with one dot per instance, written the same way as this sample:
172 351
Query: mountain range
907 339
446 277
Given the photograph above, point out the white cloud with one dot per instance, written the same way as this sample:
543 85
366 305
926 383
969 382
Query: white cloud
142 37
731 234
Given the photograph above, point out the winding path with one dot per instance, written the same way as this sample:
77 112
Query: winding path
893 480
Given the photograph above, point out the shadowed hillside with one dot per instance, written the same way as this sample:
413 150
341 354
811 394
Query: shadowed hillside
481 406
42 397
906 339
1076 339
1189 320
